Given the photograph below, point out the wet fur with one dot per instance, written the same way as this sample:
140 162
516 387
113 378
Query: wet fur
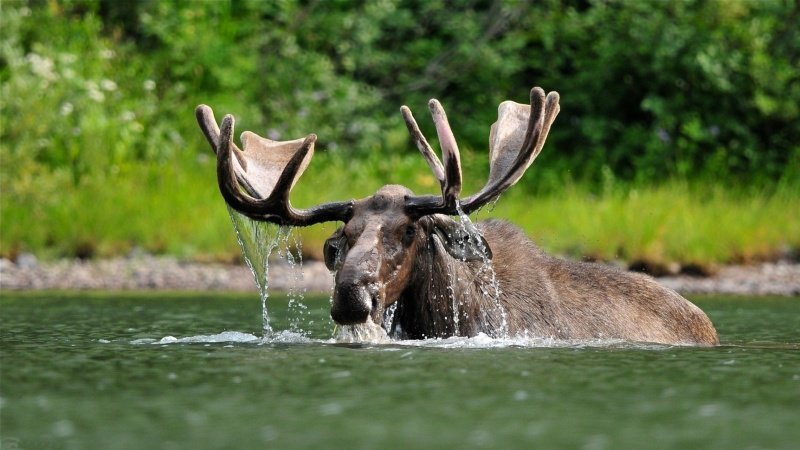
541 296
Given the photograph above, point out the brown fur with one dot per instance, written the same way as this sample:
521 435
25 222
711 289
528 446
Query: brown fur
438 295
547 296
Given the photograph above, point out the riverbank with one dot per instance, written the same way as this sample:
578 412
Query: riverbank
166 273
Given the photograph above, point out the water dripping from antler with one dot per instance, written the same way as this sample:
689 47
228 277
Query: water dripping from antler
496 317
258 240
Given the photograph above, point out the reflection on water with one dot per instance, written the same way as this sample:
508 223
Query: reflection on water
193 371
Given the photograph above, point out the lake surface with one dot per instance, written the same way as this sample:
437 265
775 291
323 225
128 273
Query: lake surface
158 371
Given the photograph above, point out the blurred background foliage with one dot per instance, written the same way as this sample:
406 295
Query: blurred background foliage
100 151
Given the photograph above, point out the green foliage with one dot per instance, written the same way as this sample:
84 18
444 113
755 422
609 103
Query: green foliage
75 101
96 123
677 88
648 89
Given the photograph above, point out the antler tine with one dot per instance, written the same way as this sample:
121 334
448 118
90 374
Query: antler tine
450 154
448 174
543 111
208 125
266 172
227 176
423 146
290 172
551 108
512 152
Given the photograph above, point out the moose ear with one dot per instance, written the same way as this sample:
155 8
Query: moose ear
334 250
457 241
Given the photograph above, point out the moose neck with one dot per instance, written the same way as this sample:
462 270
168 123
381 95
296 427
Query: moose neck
447 297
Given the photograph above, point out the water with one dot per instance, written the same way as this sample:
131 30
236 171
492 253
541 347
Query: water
491 287
258 241
160 371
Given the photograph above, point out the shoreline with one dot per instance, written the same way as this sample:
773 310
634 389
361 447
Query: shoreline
149 273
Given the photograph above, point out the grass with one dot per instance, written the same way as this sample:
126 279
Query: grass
176 209
673 223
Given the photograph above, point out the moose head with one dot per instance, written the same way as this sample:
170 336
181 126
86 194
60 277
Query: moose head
375 253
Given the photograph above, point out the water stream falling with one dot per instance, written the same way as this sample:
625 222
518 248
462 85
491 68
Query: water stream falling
258 241
486 277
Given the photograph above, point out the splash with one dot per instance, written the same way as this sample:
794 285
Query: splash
367 332
373 336
224 337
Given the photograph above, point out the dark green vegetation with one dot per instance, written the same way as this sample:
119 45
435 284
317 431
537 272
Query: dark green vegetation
677 140
71 378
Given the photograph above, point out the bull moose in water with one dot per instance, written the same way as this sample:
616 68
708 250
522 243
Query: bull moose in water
403 252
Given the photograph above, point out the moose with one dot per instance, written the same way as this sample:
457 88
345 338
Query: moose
404 253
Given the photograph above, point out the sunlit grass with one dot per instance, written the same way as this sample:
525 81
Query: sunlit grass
665 224
157 208
176 209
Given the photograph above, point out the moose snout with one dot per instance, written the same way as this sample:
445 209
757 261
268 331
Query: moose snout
352 304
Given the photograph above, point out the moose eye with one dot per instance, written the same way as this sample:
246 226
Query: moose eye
333 251
408 234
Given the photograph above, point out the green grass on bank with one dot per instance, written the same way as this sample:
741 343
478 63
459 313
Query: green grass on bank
674 223
176 209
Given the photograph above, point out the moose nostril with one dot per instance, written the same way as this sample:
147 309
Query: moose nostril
351 305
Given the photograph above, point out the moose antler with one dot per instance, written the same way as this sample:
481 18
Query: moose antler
257 181
266 171
515 140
